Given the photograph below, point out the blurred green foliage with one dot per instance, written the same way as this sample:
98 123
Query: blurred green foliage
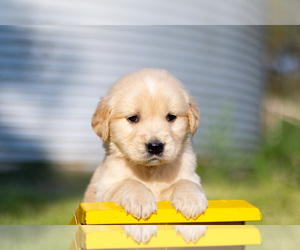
280 153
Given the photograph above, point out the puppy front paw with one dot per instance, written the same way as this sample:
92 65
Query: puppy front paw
140 204
190 201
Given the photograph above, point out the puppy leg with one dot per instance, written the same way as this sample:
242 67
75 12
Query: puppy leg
91 191
189 199
134 197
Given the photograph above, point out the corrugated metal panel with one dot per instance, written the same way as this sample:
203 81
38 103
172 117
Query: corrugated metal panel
51 79
131 12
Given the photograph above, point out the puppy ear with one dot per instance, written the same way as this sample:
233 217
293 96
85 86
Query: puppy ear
193 115
100 120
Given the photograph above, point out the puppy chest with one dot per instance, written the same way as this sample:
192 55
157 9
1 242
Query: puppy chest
159 190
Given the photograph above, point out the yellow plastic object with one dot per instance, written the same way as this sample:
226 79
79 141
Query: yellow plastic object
115 237
218 211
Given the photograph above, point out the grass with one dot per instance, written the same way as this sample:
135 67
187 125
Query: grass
270 180
48 199
278 202
38 195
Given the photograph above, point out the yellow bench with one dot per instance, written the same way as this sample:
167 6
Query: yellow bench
218 212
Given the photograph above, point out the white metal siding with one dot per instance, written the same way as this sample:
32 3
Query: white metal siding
51 78
131 12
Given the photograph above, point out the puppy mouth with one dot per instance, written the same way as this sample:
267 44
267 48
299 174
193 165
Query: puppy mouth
154 159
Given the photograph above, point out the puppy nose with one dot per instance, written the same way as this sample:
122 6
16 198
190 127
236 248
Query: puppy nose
155 147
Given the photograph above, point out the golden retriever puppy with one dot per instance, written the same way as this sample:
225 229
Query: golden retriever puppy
145 122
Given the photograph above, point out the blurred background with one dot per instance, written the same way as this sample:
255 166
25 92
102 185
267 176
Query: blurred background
245 79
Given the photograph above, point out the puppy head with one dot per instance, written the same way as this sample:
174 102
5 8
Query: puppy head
146 117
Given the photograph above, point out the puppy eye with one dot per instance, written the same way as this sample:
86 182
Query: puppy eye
133 119
171 118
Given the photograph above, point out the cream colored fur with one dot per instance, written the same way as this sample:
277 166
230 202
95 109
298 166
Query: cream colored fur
129 176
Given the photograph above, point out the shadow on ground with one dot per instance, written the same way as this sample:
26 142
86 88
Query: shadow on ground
34 187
